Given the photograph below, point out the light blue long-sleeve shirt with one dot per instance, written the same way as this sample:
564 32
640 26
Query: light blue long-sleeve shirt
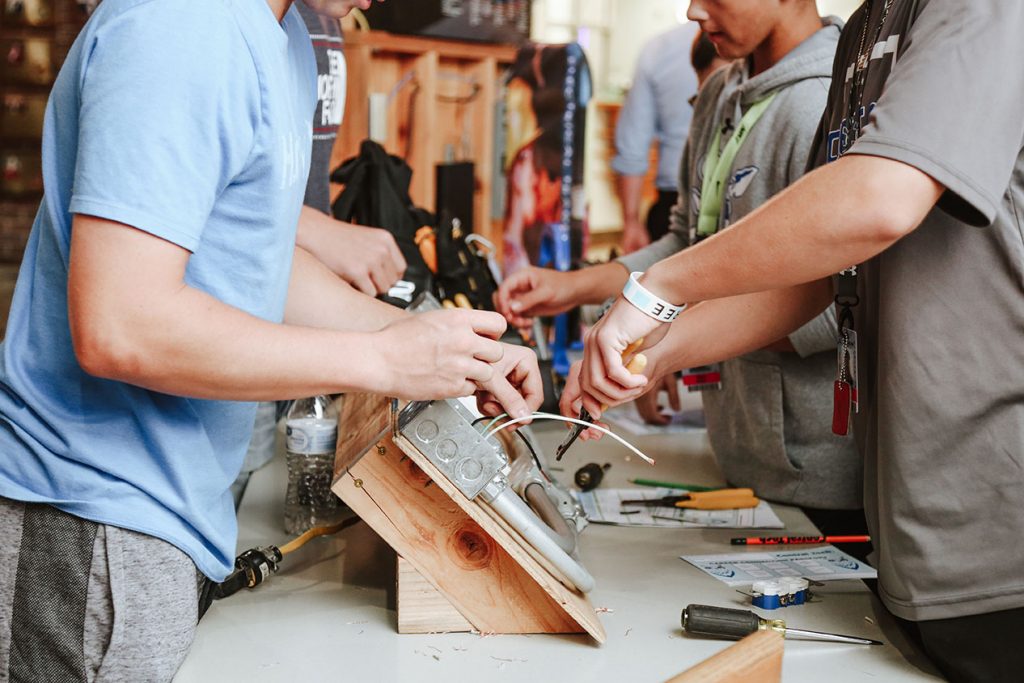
657 107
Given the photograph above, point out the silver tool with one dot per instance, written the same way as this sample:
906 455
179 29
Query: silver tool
738 623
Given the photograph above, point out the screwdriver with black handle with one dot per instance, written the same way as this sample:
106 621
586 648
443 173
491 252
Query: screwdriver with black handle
722 622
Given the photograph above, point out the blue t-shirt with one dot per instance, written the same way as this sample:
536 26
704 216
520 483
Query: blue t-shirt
189 120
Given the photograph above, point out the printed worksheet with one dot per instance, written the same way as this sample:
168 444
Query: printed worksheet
817 564
604 506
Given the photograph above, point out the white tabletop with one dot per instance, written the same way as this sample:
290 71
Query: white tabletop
329 613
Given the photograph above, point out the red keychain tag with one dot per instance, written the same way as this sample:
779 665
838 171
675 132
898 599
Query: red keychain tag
842 400
703 378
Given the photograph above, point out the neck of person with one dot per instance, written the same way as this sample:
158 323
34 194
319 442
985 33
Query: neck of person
783 40
280 8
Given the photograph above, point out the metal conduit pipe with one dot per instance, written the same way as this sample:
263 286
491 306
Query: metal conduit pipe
538 499
512 508
524 478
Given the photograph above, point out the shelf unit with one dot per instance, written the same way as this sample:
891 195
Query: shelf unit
35 37
442 97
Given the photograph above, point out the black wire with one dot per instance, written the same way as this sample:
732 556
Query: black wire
529 446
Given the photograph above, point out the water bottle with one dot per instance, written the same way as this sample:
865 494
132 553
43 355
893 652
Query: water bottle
311 439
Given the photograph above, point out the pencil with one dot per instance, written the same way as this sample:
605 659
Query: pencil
791 540
673 485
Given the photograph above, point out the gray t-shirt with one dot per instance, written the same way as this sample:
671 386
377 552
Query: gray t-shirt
941 313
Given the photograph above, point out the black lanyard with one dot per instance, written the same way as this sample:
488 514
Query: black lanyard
845 391
846 291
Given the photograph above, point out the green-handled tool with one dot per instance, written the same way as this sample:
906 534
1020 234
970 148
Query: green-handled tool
721 622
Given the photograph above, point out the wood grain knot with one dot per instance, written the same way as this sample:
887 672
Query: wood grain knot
414 473
470 547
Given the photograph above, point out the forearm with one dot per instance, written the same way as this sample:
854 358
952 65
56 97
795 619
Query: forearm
719 329
630 188
192 344
308 234
838 216
133 319
366 258
319 298
597 284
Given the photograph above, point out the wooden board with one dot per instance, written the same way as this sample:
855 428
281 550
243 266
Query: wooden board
755 659
422 608
382 41
364 419
472 570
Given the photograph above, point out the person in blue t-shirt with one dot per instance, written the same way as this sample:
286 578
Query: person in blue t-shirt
161 295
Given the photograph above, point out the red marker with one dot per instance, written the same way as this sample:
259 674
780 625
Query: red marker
791 540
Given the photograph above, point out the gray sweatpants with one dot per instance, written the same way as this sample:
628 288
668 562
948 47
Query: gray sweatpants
81 601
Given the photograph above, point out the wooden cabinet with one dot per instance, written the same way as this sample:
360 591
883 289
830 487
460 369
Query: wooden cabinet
440 106
35 36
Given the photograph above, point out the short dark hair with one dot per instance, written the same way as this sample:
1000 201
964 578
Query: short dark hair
702 53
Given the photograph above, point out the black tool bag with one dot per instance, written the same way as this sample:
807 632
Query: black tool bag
376 194
465 266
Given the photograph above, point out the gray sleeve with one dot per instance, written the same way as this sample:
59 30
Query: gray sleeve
817 335
805 103
953 105
637 124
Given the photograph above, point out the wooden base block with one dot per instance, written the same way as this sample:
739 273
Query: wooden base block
755 659
422 608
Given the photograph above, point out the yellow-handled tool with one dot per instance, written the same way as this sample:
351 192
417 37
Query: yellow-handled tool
722 499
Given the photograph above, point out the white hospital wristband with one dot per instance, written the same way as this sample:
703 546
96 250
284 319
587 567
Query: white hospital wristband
648 302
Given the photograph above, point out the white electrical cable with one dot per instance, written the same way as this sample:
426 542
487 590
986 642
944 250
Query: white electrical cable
552 416
491 423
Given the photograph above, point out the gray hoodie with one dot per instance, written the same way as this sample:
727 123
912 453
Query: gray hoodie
770 423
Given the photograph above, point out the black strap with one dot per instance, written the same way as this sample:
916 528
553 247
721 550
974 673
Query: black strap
846 297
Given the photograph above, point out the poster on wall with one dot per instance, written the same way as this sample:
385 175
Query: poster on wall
546 96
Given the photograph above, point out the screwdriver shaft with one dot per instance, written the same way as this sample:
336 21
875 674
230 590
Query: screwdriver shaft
829 637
